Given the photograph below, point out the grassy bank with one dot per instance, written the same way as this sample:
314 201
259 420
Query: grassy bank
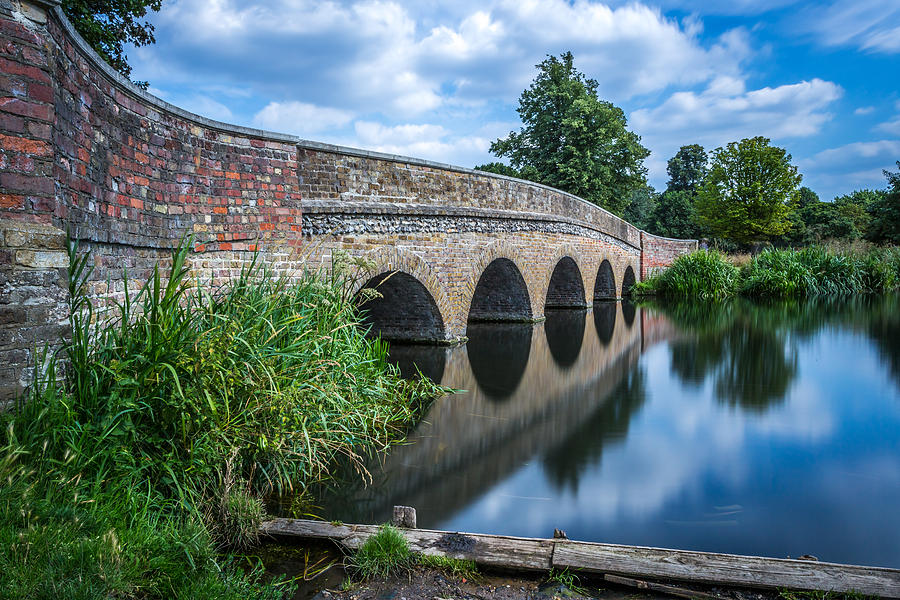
134 476
786 274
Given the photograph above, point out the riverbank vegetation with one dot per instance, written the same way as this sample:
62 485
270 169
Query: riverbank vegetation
178 414
808 273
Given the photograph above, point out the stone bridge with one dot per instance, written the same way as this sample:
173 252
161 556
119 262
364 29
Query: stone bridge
127 175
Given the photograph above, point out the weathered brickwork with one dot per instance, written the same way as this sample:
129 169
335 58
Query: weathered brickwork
84 151
659 252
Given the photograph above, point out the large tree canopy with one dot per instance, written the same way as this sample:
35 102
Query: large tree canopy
750 191
572 140
107 25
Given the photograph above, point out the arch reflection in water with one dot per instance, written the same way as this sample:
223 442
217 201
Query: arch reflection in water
498 354
605 321
605 287
405 309
501 294
412 359
565 332
628 312
566 289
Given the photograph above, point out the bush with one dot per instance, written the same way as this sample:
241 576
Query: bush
705 274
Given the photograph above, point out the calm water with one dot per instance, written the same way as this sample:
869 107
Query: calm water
766 430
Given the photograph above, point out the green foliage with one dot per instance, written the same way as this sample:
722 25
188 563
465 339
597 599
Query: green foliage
641 207
750 191
675 216
885 212
572 140
702 274
383 554
457 567
179 410
108 25
499 168
687 169
812 272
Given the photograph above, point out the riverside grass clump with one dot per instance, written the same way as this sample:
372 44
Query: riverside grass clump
179 412
778 274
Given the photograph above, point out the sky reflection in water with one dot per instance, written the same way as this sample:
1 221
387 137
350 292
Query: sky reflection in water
766 430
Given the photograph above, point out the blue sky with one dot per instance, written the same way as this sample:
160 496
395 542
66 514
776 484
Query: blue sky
442 80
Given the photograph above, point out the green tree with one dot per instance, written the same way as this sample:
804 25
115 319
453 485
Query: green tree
885 212
107 25
750 191
641 207
807 201
687 169
572 140
499 168
675 216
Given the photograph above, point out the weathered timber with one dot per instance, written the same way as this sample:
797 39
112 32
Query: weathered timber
725 569
660 587
630 561
404 516
489 550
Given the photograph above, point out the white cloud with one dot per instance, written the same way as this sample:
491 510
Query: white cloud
864 110
892 125
870 25
300 118
426 140
725 111
841 170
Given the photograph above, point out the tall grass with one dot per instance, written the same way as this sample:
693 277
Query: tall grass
705 274
790 274
179 412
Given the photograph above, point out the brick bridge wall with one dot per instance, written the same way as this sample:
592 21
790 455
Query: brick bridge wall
127 174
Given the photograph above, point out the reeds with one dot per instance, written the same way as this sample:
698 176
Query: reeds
789 274
182 400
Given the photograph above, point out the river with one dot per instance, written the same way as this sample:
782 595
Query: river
769 430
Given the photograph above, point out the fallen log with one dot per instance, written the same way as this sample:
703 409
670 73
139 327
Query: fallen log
533 554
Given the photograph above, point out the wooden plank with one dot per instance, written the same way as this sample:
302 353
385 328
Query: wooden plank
661 587
725 569
631 561
489 550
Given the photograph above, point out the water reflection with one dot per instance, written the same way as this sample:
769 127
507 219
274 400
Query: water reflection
564 329
605 320
415 358
628 311
498 354
583 448
742 428
751 364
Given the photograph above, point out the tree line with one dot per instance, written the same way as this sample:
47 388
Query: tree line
743 193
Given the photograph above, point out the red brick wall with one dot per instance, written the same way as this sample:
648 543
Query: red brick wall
659 252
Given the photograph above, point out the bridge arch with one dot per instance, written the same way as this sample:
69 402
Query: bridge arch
565 282
498 289
628 280
605 282
412 306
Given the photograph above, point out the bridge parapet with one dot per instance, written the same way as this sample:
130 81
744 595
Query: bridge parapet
128 174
